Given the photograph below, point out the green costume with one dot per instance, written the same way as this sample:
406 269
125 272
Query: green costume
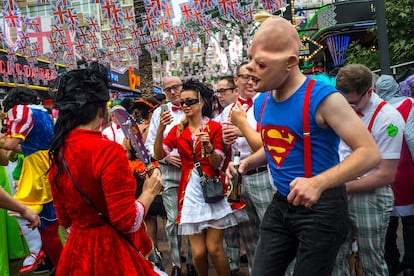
12 244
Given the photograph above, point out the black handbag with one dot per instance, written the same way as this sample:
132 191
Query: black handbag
212 187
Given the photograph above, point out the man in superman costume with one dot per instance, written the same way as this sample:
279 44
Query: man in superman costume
307 217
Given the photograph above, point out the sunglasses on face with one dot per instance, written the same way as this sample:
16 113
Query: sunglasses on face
189 102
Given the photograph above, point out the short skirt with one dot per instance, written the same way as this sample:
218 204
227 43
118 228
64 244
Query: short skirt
197 215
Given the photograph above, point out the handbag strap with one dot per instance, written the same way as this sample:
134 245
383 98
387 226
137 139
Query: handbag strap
87 200
197 163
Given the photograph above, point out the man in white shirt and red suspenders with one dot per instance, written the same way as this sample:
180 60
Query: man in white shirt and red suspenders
257 191
370 197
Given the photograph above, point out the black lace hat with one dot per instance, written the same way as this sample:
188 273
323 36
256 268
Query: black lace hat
79 87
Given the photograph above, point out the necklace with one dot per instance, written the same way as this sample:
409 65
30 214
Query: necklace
194 129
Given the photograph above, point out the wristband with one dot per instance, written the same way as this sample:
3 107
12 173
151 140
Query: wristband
210 152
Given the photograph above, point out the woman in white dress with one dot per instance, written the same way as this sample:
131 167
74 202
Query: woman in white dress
203 222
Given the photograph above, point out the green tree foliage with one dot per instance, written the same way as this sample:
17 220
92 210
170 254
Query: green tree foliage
400 22
365 54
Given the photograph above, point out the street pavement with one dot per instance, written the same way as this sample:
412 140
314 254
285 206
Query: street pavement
164 248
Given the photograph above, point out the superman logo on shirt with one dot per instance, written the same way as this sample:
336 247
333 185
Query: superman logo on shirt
279 141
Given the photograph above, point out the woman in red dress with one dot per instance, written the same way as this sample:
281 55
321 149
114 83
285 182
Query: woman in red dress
203 222
99 168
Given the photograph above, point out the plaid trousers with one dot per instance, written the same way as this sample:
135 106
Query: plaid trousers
171 176
257 192
369 214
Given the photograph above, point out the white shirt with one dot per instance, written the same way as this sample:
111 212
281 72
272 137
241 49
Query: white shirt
387 118
240 143
178 117
114 133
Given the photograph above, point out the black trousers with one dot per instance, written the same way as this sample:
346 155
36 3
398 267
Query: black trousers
312 235
392 253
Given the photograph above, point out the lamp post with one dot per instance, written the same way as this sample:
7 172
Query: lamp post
384 54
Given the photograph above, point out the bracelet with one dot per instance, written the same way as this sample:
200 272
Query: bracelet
210 152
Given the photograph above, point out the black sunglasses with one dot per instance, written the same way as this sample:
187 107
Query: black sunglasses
189 102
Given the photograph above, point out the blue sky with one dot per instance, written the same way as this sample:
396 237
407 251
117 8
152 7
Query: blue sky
177 11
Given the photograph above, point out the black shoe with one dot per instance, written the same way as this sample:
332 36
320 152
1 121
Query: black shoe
243 259
156 257
234 272
395 269
191 270
183 259
44 267
176 271
408 272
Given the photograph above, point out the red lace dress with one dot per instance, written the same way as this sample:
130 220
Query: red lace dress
101 170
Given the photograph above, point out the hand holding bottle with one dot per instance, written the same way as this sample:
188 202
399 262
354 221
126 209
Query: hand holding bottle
234 193
231 170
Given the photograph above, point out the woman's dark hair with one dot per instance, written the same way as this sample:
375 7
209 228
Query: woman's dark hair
144 108
80 94
216 104
140 108
128 104
205 92
20 95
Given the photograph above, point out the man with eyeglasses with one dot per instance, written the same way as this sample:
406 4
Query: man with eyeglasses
257 191
227 92
370 197
170 168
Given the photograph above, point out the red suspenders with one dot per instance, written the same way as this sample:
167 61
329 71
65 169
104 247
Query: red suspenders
306 127
377 110
306 131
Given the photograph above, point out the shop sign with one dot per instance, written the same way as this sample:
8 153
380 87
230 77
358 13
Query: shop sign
43 74
309 48
133 79
113 77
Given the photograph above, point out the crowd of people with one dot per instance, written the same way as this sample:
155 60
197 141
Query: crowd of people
327 171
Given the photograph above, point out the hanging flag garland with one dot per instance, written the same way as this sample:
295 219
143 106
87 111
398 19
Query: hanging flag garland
68 35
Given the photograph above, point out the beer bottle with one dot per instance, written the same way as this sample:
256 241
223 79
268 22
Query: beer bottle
235 183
